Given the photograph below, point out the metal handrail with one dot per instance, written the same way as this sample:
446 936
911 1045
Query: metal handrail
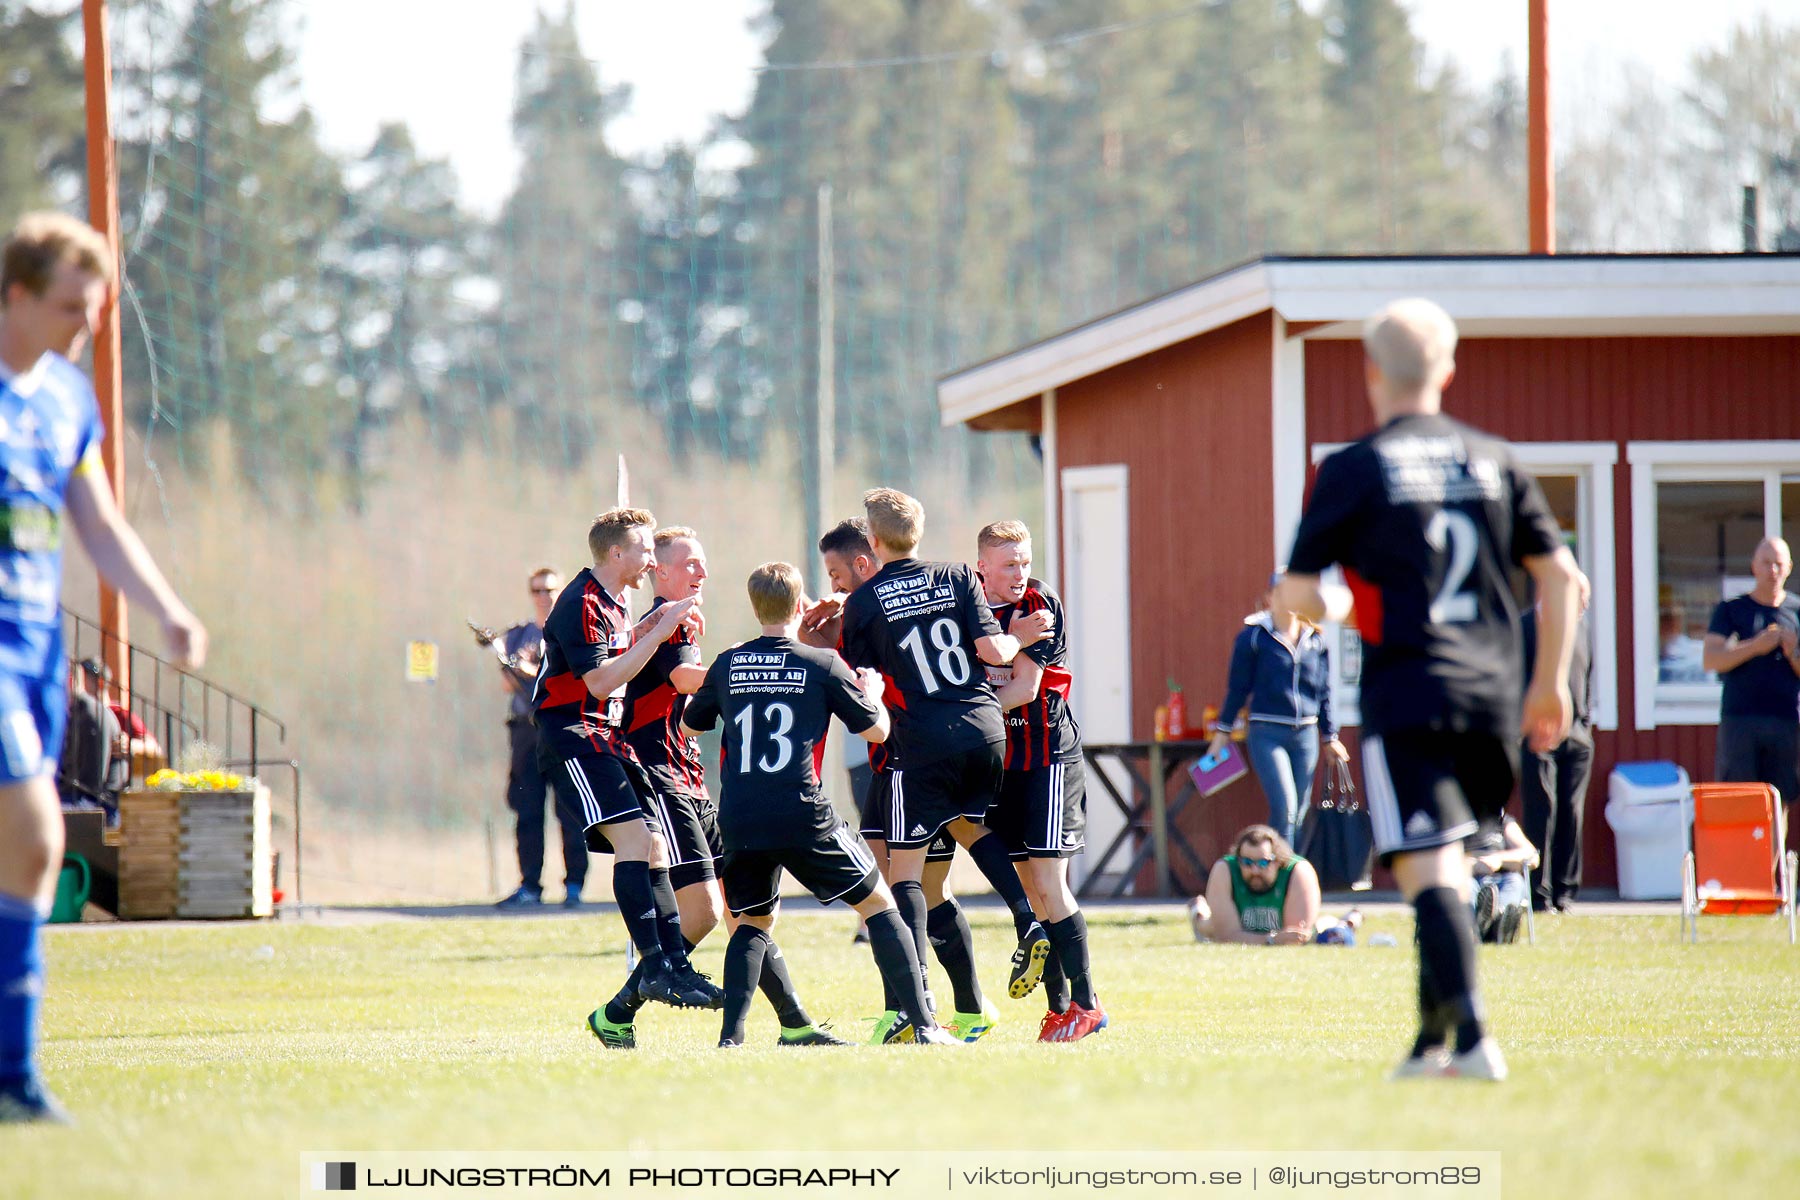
181 720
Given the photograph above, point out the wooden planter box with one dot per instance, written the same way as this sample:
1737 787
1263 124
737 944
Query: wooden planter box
194 855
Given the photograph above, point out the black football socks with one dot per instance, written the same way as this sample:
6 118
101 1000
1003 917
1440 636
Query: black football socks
948 931
637 905
668 918
995 861
898 959
1447 954
745 956
1056 985
1068 937
622 1008
909 899
778 986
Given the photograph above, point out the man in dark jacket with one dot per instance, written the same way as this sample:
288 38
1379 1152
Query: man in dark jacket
1555 783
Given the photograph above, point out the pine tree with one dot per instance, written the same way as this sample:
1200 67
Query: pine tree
564 259
41 106
1746 100
242 208
401 335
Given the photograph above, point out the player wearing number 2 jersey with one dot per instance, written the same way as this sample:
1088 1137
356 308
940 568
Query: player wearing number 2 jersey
775 698
1426 516
926 627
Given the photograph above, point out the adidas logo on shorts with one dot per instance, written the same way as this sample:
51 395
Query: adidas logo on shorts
1420 825
918 831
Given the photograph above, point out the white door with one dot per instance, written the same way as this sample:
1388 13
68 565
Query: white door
1097 599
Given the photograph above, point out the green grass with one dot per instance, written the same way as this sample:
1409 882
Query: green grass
205 1061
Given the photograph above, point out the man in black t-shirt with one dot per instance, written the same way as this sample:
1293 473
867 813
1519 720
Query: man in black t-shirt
1041 812
926 627
776 699
591 651
1553 785
1754 645
1426 516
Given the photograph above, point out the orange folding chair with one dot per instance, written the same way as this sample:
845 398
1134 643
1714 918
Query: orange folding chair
1735 863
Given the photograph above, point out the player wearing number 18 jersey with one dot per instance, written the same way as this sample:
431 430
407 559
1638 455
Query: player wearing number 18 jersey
850 562
775 698
1426 516
926 627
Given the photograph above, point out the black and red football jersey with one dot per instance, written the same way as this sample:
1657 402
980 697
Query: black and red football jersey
652 718
587 626
917 623
1041 731
775 699
1427 516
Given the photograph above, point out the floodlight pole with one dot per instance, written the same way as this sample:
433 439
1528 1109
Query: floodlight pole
1542 165
103 215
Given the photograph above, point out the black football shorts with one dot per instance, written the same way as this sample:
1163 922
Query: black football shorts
1042 813
876 808
837 866
1429 788
924 799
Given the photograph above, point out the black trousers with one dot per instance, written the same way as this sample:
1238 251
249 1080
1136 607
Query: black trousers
1555 792
525 795
1759 750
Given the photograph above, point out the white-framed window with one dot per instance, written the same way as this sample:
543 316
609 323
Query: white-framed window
1577 478
1697 511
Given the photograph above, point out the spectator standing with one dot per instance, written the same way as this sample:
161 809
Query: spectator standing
1281 668
1754 645
1554 784
520 649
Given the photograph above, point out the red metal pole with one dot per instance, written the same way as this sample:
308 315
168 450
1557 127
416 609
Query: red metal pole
103 214
1538 150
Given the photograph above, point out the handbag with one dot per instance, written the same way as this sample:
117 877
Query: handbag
1337 838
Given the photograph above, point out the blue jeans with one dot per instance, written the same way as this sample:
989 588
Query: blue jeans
1284 758
1510 891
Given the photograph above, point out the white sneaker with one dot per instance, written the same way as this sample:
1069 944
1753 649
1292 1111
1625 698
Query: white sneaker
1199 912
1430 1065
1483 1061
937 1035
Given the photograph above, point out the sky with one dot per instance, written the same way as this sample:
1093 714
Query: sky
688 61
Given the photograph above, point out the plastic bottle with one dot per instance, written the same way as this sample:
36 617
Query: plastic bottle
1161 732
1209 721
1178 726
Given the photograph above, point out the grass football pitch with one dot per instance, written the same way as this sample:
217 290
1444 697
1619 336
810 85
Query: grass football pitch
206 1061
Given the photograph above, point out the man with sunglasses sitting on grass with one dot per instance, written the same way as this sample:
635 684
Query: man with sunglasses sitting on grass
1261 894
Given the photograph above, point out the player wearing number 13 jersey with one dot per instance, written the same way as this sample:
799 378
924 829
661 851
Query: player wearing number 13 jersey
775 698
1426 516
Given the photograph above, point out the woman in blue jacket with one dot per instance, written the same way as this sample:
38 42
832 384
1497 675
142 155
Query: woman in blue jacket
1281 671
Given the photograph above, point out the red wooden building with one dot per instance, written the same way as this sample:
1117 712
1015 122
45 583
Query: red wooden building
1656 397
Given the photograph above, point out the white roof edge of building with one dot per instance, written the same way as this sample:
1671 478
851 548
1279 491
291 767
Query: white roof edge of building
1517 296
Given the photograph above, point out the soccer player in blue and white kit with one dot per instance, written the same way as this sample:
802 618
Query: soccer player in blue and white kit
54 276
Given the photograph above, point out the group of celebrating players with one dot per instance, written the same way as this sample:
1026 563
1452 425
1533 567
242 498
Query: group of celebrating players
956 678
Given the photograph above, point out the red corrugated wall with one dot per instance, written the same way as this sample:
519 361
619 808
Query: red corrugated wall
1192 425
1594 390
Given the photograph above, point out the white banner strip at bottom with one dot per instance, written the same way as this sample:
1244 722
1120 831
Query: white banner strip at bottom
962 1175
